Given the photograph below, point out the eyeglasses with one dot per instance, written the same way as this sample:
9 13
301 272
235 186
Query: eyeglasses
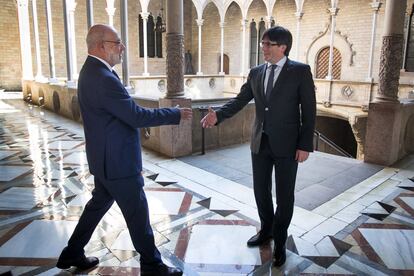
268 44
118 42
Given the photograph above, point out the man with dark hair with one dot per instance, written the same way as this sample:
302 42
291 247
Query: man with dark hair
111 121
282 134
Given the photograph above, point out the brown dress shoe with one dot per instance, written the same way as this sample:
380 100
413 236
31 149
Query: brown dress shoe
259 239
161 270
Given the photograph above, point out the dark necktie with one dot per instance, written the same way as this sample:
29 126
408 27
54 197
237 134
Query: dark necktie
269 86
113 71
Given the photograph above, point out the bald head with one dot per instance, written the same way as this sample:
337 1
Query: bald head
103 42
97 34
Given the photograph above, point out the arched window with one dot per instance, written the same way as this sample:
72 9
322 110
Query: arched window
262 29
322 64
253 44
409 54
151 36
256 53
158 37
154 37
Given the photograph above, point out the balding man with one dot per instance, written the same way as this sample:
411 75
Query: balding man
111 123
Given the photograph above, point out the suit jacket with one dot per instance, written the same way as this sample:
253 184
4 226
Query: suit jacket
289 115
111 120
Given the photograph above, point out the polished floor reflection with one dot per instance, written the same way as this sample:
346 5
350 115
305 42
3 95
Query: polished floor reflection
201 218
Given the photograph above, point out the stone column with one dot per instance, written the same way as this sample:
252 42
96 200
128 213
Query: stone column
51 46
25 44
243 58
298 21
110 10
334 12
39 75
375 8
175 140
69 7
268 20
385 117
391 52
359 128
89 13
124 36
199 24
68 44
145 16
221 47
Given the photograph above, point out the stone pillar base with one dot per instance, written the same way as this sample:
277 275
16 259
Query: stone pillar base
383 133
176 140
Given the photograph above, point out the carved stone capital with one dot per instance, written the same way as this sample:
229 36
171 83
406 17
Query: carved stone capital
390 64
175 65
110 11
376 5
268 19
144 15
71 5
334 11
22 3
200 22
299 15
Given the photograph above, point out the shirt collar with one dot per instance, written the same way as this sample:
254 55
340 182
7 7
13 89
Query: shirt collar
103 61
280 63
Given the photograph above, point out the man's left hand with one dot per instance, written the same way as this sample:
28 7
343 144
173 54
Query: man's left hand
301 156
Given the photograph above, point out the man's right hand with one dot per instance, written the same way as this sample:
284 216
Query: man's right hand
210 119
186 113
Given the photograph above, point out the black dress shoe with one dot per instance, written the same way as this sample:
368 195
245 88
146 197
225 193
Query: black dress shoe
161 270
82 262
259 239
279 257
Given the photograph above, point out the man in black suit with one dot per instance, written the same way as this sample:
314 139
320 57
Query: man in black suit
282 135
111 121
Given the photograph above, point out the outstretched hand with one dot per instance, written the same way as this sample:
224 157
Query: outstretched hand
186 113
210 119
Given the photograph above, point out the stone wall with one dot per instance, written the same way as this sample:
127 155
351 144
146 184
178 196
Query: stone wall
10 59
352 38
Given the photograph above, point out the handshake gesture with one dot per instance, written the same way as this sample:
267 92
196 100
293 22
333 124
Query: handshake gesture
186 113
210 119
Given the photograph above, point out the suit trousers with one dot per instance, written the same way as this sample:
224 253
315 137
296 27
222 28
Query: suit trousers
130 197
276 223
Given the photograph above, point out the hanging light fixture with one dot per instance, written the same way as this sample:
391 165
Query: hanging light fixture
160 25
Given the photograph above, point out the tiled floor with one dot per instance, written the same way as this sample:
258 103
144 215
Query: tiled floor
350 217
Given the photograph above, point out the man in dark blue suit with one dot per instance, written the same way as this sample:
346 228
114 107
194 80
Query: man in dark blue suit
111 123
282 135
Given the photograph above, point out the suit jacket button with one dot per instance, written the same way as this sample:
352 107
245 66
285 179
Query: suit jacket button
266 109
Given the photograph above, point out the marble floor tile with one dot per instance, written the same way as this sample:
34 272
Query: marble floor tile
394 246
306 219
20 198
9 173
409 201
64 145
80 200
78 158
164 202
6 153
221 244
47 239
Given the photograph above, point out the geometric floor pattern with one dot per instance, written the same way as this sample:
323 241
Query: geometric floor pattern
201 221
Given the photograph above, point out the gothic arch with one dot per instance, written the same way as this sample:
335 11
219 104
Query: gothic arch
341 42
